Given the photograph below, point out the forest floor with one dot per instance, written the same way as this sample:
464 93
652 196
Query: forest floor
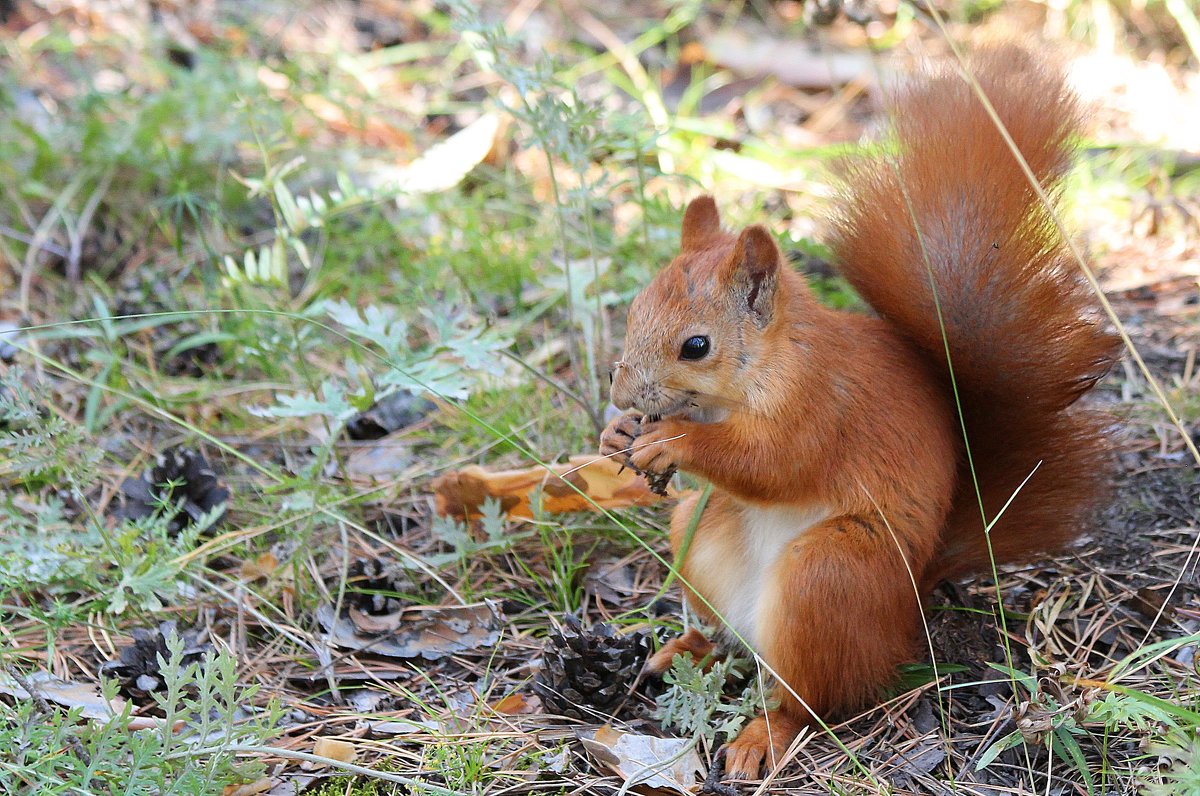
275 277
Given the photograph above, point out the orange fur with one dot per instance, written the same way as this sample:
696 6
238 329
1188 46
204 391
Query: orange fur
1023 328
832 440
692 642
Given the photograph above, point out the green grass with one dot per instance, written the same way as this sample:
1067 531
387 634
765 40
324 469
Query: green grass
55 751
503 295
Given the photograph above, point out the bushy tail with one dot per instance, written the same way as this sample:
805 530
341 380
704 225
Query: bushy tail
949 201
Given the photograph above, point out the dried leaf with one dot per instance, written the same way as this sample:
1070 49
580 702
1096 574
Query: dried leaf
644 760
446 163
1149 602
261 567
917 762
380 728
558 763
611 581
379 460
334 749
420 632
250 788
512 705
462 493
375 624
69 694
152 723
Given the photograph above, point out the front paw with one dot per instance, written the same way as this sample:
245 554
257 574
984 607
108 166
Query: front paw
693 643
657 450
764 741
616 441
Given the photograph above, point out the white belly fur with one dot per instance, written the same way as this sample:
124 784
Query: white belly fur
739 594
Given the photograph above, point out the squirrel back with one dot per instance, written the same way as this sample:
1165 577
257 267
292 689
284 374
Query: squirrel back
948 204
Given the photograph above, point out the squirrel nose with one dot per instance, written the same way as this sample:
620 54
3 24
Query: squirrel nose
619 385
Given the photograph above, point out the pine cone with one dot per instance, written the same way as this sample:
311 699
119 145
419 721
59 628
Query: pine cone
179 474
138 669
367 578
586 674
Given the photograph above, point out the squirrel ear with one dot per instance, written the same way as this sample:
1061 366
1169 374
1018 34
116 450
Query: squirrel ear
700 222
753 269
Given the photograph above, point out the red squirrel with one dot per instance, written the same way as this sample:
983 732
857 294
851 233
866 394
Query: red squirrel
842 488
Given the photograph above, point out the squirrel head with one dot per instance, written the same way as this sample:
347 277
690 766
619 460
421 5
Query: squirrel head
701 325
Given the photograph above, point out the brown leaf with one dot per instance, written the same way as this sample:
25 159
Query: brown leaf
375 625
463 492
641 760
419 632
1149 602
69 694
334 749
512 705
261 567
250 788
611 581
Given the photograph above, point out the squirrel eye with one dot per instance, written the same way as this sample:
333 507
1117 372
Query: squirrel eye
694 348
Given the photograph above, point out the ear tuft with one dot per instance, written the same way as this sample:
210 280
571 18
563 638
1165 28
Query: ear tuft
701 221
753 269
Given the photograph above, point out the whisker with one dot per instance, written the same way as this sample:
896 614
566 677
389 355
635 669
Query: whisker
721 401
